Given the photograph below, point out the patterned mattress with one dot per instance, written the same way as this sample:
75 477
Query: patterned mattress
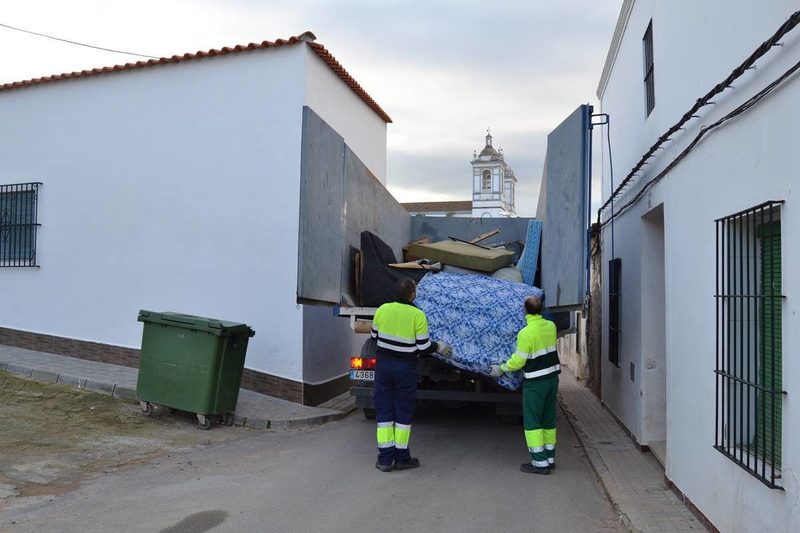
478 316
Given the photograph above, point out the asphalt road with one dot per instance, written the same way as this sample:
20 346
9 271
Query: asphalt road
323 479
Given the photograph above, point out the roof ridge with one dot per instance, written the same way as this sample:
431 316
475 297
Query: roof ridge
307 37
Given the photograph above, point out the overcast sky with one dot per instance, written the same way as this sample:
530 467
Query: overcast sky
443 70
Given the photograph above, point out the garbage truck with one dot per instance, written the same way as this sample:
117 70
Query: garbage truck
340 200
376 268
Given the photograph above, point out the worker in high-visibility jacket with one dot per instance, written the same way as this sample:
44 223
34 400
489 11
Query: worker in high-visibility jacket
401 330
537 357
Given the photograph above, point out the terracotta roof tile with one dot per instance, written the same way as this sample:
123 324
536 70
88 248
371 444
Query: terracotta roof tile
307 37
435 207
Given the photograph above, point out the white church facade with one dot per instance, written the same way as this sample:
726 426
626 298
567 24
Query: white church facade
493 189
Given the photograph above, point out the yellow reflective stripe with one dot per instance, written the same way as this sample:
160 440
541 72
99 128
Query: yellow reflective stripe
385 434
549 438
402 434
534 438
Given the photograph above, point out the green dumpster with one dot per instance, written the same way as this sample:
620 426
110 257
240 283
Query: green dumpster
191 363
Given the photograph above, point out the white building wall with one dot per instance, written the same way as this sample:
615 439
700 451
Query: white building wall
328 344
164 189
747 162
363 130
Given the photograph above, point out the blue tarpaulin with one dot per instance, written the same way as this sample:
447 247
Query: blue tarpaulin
478 316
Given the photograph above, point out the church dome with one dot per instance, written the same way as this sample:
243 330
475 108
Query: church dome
488 150
489 153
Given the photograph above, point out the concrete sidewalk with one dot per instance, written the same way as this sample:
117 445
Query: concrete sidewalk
633 480
254 410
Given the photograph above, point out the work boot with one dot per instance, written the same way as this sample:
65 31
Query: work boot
411 463
530 469
382 467
552 466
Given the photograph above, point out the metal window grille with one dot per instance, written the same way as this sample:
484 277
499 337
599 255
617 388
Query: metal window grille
749 306
18 224
614 278
649 71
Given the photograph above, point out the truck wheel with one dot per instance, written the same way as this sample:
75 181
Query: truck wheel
369 414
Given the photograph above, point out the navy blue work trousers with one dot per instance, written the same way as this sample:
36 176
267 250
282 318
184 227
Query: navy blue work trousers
395 396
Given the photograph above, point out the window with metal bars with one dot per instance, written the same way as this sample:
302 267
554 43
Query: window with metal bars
649 71
18 224
614 278
749 392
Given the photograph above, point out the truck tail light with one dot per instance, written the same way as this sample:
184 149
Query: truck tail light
362 363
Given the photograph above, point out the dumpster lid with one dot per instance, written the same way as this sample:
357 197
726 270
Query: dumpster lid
196 323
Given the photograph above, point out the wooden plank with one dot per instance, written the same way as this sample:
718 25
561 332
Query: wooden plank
484 236
468 242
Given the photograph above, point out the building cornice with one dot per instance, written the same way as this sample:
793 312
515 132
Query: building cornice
616 41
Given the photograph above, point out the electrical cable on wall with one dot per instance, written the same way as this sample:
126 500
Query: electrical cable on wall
75 42
703 131
762 50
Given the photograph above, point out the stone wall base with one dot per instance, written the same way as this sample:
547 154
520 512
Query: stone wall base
261 382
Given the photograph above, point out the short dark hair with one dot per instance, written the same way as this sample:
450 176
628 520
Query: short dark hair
404 289
533 305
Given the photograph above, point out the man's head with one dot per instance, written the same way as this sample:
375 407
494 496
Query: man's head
405 290
533 305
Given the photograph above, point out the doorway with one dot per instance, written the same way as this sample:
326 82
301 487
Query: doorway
654 340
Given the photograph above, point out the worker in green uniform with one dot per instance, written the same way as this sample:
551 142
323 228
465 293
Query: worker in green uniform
537 357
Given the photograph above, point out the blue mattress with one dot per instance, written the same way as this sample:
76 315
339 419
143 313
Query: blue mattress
530 255
478 316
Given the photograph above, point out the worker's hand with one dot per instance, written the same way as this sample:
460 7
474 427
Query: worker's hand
495 372
445 349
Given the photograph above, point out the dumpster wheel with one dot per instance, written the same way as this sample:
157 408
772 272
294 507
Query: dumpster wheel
203 421
147 408
227 419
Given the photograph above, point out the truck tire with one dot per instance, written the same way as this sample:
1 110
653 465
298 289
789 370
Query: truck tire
369 414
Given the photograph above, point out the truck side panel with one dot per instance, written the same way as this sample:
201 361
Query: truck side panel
339 198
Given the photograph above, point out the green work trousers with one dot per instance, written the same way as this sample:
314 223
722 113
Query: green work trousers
539 418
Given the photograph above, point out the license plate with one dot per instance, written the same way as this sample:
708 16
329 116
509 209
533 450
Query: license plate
362 375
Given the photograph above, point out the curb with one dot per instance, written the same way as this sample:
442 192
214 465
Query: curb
124 392
596 462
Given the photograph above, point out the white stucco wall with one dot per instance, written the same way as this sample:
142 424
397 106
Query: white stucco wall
363 130
165 188
328 343
745 163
